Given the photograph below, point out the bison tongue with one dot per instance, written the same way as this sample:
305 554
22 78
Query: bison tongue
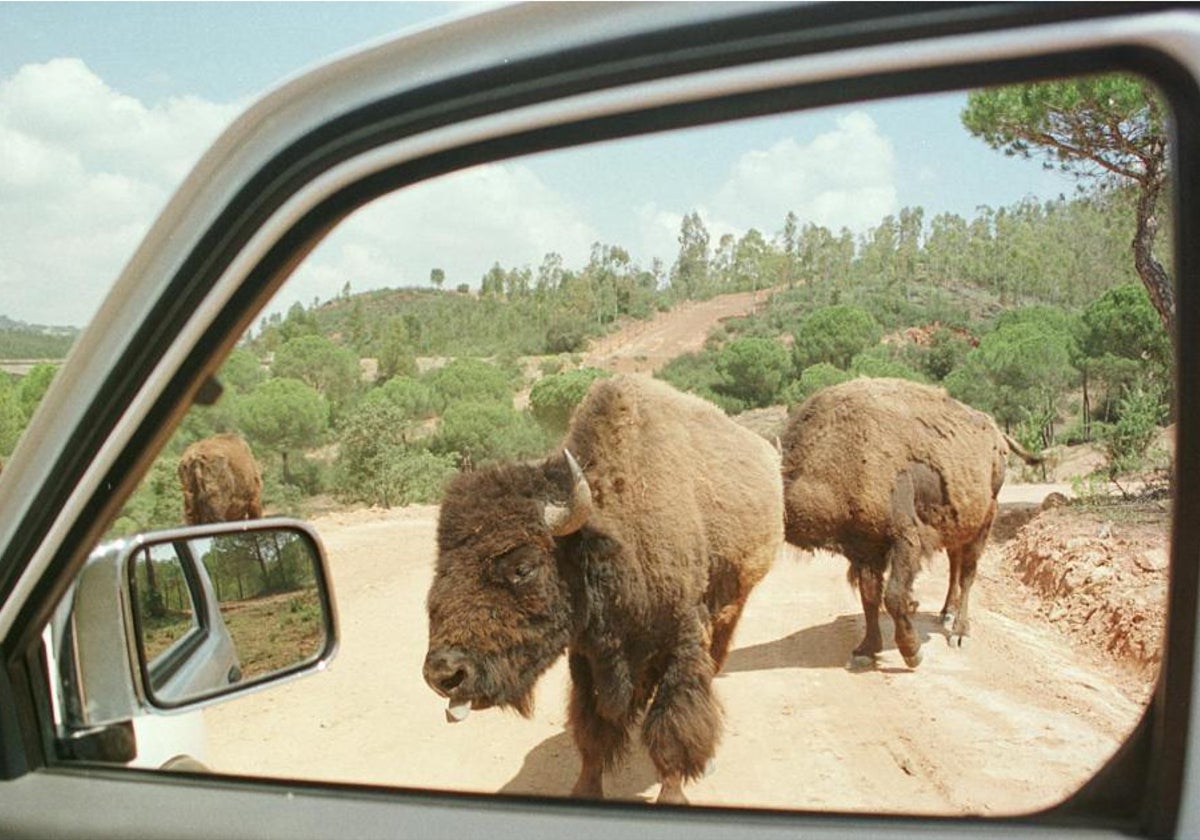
456 712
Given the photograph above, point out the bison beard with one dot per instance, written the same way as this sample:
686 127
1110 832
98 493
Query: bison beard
637 565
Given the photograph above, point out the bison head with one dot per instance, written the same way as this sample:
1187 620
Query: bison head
499 607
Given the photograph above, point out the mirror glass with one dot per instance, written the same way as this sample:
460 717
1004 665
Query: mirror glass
225 610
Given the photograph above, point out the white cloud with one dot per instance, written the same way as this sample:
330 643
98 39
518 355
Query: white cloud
461 223
842 178
83 172
85 169
659 234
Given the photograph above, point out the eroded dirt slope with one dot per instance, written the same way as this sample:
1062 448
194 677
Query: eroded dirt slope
645 346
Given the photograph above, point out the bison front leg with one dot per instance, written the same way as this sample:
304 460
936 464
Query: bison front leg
599 736
683 725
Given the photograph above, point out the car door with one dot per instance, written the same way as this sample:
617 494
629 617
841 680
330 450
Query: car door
515 80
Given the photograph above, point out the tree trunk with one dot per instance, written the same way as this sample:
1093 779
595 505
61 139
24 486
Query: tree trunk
1154 277
1087 407
262 565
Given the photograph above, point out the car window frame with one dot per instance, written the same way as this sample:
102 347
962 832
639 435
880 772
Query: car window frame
344 138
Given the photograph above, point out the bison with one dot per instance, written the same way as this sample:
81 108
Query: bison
633 550
221 481
886 472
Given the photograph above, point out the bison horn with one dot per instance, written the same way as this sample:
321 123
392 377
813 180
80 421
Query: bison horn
567 520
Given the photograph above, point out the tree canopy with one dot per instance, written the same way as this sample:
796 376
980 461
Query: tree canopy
1108 127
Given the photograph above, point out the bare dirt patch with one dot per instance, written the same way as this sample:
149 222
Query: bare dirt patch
1099 572
645 346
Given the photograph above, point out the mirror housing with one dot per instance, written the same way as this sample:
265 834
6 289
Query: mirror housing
103 630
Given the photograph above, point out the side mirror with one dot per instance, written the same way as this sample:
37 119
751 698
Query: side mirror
177 619
216 611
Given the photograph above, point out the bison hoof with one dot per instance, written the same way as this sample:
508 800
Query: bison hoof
671 793
958 640
861 662
914 660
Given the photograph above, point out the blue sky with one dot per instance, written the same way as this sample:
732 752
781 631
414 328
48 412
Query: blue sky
105 106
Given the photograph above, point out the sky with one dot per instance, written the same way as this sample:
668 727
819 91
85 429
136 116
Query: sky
104 108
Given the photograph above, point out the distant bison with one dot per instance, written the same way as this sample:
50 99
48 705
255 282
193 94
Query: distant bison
637 560
886 472
221 481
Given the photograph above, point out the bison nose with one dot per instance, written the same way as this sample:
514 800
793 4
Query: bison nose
446 670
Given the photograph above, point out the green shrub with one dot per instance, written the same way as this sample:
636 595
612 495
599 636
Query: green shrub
468 380
834 334
753 370
157 503
477 433
564 337
414 399
1126 440
418 477
813 379
553 398
879 365
693 372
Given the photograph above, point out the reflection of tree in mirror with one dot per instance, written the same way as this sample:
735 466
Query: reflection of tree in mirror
266 587
256 564
164 600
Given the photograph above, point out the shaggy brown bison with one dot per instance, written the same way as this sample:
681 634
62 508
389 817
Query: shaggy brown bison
886 472
221 481
634 550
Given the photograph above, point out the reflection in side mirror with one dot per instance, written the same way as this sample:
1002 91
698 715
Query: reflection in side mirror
216 610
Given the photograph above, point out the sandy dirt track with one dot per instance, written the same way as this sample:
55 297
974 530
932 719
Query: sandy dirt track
645 346
1011 724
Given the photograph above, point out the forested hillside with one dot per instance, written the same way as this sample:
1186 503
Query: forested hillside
23 341
1032 312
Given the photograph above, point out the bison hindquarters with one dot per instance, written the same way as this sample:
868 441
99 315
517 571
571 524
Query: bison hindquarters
220 481
887 472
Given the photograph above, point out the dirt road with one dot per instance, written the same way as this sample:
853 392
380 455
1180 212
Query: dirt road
645 346
1013 723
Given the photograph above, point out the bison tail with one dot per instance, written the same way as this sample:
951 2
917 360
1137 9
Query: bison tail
1021 452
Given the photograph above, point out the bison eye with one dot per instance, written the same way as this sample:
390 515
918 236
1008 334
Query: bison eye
516 568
